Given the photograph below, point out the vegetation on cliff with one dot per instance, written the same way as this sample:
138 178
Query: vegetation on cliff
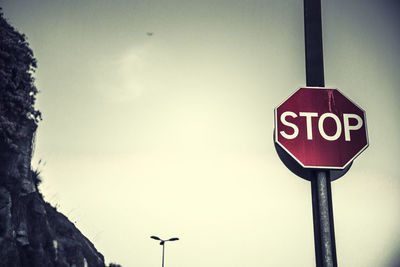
17 89
32 232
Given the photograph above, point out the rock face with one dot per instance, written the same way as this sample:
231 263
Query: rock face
32 232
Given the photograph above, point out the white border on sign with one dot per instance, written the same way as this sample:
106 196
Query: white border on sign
320 167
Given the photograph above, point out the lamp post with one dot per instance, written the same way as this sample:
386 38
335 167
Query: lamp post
162 243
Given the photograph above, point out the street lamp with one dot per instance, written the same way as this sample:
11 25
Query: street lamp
162 243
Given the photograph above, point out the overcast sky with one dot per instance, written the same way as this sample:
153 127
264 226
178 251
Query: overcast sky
158 120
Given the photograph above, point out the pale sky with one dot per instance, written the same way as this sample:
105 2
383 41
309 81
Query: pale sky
171 134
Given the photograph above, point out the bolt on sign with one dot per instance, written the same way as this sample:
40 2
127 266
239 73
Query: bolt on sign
321 128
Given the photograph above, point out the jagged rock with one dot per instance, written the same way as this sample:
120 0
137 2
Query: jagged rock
5 198
22 234
23 239
39 208
27 187
6 230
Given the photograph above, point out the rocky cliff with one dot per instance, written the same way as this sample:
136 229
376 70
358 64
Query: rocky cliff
32 232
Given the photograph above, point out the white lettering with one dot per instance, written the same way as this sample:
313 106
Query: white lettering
321 126
348 127
309 116
286 123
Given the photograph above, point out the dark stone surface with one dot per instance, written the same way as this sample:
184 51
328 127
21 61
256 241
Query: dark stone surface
32 232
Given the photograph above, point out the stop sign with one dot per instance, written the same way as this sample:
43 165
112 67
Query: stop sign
321 128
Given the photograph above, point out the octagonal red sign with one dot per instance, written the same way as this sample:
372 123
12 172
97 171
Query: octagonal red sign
321 128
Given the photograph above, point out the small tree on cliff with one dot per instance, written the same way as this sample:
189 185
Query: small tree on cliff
17 91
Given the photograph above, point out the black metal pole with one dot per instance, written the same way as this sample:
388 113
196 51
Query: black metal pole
163 248
313 43
324 234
